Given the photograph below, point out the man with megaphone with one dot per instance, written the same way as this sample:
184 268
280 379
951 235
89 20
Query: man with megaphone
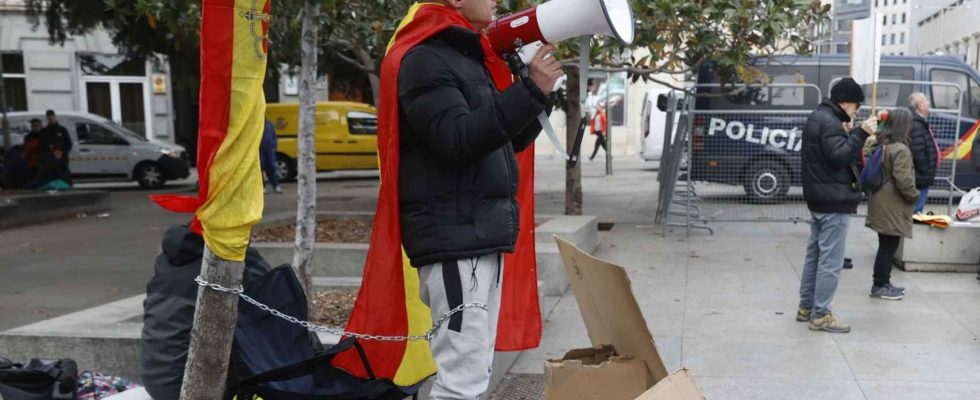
450 121
451 117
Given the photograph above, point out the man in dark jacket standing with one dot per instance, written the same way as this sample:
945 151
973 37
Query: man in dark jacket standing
830 187
458 181
56 137
925 150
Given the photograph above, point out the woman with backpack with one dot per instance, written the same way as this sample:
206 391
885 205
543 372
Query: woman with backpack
891 203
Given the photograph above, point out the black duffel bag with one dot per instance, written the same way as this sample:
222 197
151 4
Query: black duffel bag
39 379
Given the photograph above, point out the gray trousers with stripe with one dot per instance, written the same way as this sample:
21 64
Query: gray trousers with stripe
463 346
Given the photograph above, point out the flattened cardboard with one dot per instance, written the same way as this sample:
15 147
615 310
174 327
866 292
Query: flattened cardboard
594 374
677 386
611 315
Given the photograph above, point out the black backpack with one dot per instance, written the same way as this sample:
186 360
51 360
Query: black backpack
281 360
39 379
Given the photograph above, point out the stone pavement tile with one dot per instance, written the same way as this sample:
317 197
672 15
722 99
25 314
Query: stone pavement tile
972 324
816 357
670 351
904 327
855 297
903 390
942 362
960 305
944 281
563 330
745 324
715 388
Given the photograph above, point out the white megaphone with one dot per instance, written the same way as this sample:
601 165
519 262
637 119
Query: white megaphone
525 32
528 30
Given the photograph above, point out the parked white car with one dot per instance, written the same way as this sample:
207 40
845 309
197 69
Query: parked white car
105 151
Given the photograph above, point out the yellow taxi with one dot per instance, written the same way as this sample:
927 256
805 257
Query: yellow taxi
346 136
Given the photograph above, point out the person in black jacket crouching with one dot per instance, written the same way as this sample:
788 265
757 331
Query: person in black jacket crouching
458 180
830 187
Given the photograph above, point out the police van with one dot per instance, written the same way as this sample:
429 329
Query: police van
752 137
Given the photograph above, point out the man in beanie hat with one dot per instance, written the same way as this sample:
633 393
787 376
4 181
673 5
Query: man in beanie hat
830 187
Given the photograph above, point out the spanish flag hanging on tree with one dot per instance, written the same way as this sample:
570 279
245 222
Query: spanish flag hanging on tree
232 115
389 303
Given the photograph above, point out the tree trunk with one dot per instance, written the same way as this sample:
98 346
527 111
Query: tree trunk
4 124
374 78
306 152
573 175
214 327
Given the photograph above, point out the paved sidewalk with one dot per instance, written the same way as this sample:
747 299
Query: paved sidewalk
724 307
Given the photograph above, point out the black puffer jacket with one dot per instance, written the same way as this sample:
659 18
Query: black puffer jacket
458 173
830 156
171 297
924 152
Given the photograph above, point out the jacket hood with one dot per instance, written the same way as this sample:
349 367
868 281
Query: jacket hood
181 245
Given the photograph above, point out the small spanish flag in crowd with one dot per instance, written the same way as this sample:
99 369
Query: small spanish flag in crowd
389 302
232 113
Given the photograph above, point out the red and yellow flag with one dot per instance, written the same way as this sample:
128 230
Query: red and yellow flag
965 149
388 302
233 61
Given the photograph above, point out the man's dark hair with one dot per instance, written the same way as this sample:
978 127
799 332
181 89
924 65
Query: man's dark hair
35 120
49 113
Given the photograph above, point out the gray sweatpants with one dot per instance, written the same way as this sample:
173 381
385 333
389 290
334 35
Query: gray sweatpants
463 345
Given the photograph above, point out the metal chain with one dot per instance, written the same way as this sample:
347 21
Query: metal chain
252 16
339 332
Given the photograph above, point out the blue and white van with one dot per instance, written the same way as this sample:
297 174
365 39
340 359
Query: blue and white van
753 139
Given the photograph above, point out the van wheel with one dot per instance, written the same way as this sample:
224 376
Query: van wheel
766 182
285 167
149 175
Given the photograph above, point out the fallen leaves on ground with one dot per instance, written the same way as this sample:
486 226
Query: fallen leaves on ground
328 230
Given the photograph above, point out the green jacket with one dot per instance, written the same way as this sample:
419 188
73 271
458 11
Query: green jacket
890 208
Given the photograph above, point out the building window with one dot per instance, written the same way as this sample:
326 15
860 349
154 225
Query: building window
903 38
14 81
876 3
886 3
112 65
884 20
903 18
893 38
894 19
901 53
883 39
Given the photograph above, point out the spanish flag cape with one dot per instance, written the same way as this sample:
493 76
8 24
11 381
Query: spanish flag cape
388 302
232 115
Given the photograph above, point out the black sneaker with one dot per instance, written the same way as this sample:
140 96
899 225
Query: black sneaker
849 265
887 292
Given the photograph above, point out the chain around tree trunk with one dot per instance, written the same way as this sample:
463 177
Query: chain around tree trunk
240 292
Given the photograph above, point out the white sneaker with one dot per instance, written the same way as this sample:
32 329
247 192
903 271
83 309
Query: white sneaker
278 189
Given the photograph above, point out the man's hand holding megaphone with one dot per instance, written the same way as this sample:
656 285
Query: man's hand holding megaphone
545 70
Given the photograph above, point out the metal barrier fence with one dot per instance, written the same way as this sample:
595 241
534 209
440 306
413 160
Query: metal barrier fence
742 152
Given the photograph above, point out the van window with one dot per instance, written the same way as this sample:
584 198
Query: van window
362 123
889 94
948 97
89 133
788 96
974 99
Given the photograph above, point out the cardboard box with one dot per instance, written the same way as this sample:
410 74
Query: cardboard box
612 318
594 374
677 386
